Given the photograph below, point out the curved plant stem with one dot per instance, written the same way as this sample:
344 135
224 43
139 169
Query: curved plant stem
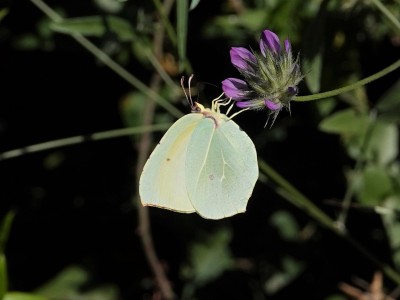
294 196
79 139
109 62
350 87
387 14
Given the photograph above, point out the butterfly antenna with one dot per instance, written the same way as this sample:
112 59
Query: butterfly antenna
190 89
189 99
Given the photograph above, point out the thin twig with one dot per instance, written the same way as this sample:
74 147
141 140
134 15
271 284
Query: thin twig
79 139
350 87
144 149
387 14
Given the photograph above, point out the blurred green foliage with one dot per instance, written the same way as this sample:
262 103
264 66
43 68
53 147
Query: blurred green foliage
332 36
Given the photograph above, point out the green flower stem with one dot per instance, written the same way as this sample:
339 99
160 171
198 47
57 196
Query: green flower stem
294 196
109 62
389 16
81 139
350 87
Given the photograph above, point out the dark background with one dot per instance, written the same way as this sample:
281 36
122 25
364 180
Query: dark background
74 204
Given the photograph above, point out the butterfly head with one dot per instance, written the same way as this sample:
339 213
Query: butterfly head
197 108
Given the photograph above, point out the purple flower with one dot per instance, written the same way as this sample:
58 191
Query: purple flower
270 76
272 105
288 46
235 88
242 59
269 42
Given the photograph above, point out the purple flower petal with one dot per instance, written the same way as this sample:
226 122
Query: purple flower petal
269 42
288 46
240 58
243 104
234 88
271 105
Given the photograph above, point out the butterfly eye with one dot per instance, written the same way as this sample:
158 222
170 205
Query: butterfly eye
197 108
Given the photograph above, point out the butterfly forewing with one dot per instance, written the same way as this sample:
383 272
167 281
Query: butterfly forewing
162 182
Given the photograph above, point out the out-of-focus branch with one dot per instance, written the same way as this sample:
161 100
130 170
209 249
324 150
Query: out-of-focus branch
144 150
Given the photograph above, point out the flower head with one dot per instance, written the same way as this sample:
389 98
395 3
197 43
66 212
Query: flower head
270 76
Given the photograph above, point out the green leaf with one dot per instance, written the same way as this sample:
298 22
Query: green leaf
67 285
94 26
5 229
182 12
376 185
22 296
378 143
27 42
314 50
325 106
3 13
389 104
291 269
3 276
132 107
345 122
141 47
286 225
313 69
383 146
64 284
251 19
110 6
133 104
193 4
4 233
209 259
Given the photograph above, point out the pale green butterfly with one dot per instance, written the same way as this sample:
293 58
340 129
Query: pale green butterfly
204 163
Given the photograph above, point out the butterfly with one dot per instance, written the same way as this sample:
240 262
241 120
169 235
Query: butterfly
204 163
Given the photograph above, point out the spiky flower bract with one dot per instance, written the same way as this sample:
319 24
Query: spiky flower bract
270 76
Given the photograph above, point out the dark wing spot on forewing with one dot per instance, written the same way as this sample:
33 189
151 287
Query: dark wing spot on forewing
167 159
